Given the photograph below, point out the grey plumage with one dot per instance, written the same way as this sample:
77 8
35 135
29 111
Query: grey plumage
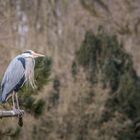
19 71
12 76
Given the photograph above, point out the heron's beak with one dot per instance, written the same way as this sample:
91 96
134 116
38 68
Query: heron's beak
38 55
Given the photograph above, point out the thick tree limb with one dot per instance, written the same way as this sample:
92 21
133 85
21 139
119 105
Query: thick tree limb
11 113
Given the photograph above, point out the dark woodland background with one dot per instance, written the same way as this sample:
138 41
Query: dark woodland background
88 85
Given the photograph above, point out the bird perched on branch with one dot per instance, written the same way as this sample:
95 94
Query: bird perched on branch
19 72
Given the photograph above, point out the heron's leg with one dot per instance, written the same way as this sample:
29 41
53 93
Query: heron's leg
18 109
13 100
17 102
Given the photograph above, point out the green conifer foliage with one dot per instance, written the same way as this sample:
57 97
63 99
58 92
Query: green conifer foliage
104 60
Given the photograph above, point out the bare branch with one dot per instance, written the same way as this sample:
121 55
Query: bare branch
11 113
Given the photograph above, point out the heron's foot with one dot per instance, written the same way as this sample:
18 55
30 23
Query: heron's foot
18 111
15 110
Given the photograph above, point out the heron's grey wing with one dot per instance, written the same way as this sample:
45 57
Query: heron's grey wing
12 76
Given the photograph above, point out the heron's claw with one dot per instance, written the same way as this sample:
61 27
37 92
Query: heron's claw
18 111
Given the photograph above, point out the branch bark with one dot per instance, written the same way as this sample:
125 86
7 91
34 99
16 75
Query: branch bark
11 113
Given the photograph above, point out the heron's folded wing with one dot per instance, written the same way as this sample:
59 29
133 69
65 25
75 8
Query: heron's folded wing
13 75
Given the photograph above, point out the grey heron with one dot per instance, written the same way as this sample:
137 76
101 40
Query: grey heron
19 72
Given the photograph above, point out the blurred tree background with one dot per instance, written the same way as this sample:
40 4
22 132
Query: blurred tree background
88 83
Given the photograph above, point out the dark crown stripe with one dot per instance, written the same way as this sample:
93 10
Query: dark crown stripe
28 52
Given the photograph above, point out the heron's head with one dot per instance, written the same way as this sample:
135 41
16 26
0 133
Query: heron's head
30 53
